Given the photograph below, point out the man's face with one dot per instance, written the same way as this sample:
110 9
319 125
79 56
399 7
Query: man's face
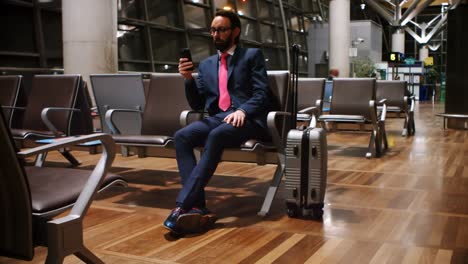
222 33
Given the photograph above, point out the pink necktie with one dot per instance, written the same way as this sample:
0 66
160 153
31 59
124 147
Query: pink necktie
224 98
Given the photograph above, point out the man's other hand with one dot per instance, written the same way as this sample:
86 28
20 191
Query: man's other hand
236 119
185 68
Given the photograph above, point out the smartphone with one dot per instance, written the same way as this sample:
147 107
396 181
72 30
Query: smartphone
185 53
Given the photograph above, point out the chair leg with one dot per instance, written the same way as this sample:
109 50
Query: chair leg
54 259
411 124
405 131
141 151
69 157
88 257
40 159
383 135
373 143
124 151
275 182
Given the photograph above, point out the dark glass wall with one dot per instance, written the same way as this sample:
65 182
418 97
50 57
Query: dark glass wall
457 62
151 32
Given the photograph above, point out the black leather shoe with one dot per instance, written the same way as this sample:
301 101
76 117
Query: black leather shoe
171 221
206 220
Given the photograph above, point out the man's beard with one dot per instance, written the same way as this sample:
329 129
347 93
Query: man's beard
222 45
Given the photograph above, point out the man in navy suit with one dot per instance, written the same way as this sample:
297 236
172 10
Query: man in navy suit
232 86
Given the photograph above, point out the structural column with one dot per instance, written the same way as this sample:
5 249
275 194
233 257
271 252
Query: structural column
340 33
398 41
89 37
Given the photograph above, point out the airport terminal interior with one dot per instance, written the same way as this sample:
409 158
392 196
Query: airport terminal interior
395 175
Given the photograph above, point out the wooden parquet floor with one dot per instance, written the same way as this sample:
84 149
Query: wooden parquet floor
410 206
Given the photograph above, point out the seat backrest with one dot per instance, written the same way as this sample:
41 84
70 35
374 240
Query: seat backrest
309 90
327 93
165 101
146 83
393 91
9 92
278 82
119 91
351 96
81 122
16 235
51 91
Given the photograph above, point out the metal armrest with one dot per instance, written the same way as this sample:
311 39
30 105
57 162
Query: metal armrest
382 101
48 123
275 133
312 113
97 175
13 107
412 98
110 113
184 116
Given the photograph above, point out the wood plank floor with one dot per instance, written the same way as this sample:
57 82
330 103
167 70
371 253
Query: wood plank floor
410 206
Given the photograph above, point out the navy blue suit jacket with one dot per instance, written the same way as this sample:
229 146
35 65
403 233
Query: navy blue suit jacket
247 85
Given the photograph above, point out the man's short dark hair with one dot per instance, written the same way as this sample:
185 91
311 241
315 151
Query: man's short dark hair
234 18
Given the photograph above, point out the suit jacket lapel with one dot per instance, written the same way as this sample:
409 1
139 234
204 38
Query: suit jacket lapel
232 62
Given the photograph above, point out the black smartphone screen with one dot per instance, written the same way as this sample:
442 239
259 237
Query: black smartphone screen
185 53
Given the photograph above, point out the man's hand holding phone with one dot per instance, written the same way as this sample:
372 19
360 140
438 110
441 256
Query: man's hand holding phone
186 64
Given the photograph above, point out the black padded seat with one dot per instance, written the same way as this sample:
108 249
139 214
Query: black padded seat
165 100
10 88
398 100
33 199
53 188
142 140
354 101
28 133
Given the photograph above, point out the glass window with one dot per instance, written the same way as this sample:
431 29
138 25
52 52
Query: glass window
55 63
246 8
131 43
167 44
19 61
201 47
166 68
280 34
52 28
265 11
295 22
299 38
130 9
164 12
223 4
250 45
196 17
272 59
249 30
137 67
18 28
307 23
206 2
277 16
303 62
268 35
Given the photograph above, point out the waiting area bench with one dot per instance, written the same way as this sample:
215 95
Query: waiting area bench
454 116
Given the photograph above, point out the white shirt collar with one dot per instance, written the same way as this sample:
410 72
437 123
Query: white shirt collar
229 51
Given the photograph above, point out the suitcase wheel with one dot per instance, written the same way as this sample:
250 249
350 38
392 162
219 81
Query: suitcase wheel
318 213
292 210
293 213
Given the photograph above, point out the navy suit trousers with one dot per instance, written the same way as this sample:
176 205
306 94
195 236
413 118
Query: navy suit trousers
214 135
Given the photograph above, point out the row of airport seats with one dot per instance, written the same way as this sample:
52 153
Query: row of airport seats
35 200
55 106
162 99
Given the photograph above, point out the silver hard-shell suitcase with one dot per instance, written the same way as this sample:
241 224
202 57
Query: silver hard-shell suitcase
306 172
